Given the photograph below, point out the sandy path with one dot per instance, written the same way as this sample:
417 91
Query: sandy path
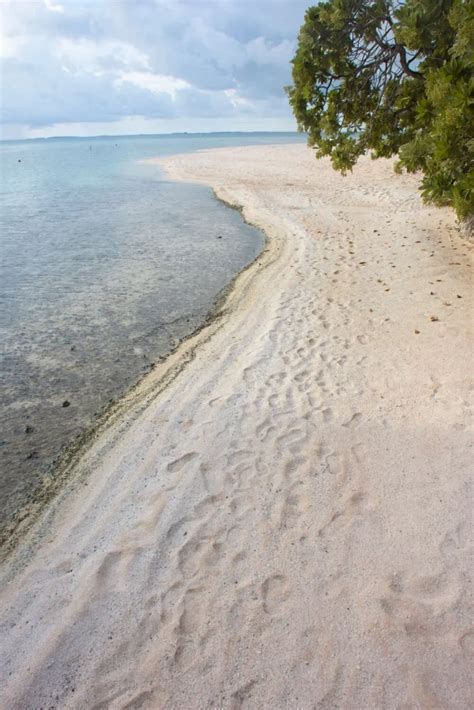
287 524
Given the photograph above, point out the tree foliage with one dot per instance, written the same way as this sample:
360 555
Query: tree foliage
394 78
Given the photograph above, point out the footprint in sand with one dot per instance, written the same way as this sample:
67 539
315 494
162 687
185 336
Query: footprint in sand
180 463
274 592
353 420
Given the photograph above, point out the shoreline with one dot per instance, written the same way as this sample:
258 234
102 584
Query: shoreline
286 522
63 470
27 529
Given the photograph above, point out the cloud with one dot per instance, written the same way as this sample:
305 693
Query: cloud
155 83
85 56
52 7
172 61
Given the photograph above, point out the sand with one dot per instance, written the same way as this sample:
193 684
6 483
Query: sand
280 516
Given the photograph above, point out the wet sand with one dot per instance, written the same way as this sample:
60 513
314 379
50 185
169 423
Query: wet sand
279 516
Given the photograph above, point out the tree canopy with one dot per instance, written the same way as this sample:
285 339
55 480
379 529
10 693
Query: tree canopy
393 78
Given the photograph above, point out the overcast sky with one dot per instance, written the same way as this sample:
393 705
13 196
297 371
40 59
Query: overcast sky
87 67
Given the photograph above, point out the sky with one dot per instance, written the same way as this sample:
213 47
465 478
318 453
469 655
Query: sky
93 67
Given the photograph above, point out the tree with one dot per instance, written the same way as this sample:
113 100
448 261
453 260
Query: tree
393 78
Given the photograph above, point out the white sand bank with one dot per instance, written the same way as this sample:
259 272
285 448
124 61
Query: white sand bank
286 525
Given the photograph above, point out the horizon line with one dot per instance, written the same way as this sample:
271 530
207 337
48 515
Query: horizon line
146 135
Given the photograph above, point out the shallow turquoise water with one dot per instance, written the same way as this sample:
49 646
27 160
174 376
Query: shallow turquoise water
105 266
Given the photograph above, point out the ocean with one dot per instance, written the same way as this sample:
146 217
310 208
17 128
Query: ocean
105 266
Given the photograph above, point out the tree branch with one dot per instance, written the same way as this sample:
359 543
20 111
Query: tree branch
404 64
